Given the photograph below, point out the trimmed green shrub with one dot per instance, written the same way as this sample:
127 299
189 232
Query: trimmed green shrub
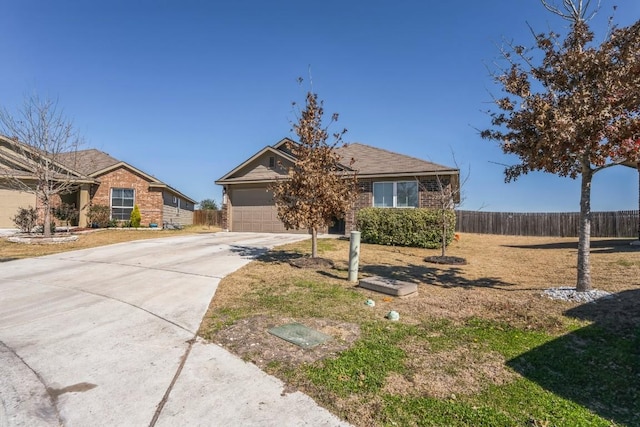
99 215
135 217
26 219
420 228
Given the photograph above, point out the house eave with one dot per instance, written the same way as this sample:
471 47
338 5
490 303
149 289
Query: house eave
124 165
172 190
367 176
409 173
248 181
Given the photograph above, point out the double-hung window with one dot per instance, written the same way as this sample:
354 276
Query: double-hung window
121 203
398 194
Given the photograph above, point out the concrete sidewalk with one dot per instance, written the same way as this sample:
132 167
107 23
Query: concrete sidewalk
106 336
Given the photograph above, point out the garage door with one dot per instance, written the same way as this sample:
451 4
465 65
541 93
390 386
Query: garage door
254 210
10 202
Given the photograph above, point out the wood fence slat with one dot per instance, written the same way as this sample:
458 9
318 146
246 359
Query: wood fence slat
207 217
552 224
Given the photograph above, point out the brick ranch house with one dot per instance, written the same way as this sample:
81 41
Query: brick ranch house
385 179
98 179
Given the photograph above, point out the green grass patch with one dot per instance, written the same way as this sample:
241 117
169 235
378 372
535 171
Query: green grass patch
626 263
305 298
500 337
594 367
421 411
363 368
521 403
588 377
221 318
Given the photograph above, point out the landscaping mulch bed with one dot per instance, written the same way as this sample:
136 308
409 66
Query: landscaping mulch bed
448 260
312 263
249 338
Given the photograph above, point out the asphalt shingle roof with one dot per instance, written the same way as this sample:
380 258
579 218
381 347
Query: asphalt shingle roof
377 161
87 161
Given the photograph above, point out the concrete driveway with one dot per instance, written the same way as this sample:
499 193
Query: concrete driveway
106 336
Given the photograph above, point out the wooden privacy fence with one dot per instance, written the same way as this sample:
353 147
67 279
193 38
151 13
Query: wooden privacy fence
207 217
565 224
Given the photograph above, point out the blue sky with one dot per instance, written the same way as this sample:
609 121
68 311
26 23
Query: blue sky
187 90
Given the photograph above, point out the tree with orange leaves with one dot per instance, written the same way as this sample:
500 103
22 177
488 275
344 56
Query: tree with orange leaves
574 113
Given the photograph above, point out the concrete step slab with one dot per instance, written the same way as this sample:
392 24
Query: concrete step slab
388 286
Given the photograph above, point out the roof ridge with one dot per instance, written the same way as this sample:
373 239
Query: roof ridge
87 150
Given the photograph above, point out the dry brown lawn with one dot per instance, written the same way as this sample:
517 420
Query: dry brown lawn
502 282
91 239
503 279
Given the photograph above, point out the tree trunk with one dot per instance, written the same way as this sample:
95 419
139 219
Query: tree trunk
638 165
47 220
314 242
584 240
444 233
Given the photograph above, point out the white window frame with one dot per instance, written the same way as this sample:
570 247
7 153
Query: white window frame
395 194
133 198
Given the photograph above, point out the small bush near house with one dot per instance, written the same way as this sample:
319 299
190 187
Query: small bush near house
99 215
420 228
26 219
66 212
135 217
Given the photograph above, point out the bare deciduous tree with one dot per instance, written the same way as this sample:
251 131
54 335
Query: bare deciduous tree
39 134
447 196
575 113
318 189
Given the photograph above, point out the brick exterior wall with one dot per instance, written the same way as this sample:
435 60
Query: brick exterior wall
149 200
225 216
429 193
364 200
226 210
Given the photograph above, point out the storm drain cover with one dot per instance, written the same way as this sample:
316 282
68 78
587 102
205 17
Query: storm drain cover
299 335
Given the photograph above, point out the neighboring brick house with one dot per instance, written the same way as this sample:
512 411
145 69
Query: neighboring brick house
122 185
104 180
385 179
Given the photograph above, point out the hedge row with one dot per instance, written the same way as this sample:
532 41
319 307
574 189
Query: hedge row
405 227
